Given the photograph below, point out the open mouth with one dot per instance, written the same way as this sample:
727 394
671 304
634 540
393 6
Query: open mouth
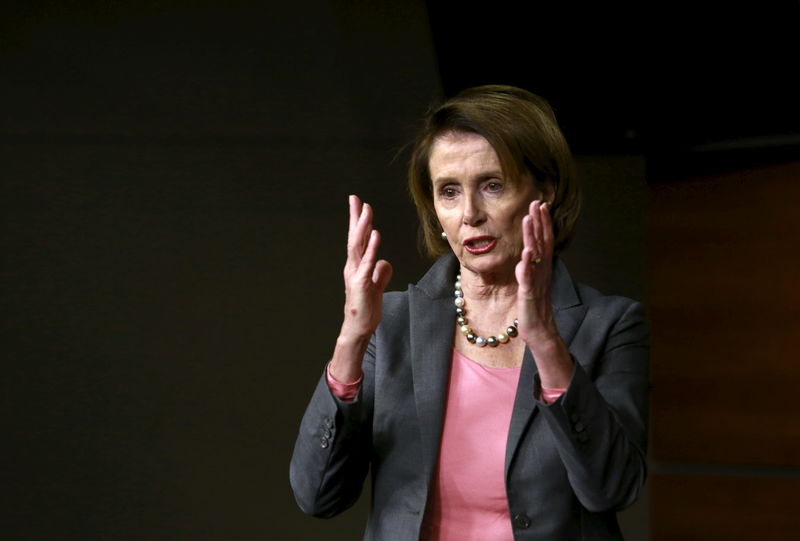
479 245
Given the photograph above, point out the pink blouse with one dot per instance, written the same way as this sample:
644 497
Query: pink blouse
468 498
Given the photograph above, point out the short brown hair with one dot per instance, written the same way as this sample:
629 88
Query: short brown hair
522 129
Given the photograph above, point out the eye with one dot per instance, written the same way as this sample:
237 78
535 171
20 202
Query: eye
493 186
448 192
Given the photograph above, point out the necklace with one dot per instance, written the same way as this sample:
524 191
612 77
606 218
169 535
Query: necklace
463 324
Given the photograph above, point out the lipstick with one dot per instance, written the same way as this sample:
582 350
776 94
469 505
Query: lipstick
480 245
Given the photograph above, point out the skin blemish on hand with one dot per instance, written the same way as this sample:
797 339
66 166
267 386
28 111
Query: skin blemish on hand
353 311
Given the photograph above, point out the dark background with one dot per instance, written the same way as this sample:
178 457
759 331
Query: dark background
173 187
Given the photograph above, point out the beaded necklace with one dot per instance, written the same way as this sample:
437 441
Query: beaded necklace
463 324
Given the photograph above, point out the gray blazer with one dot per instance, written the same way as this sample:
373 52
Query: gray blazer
569 465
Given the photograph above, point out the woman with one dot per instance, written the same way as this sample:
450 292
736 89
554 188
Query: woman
496 399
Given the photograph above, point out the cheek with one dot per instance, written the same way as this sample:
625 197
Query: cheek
514 231
516 223
445 222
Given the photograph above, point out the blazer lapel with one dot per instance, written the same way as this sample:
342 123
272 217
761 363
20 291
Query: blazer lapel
524 407
568 313
431 315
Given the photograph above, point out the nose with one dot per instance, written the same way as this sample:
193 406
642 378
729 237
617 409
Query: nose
474 214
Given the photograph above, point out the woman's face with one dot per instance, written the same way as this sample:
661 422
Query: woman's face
480 211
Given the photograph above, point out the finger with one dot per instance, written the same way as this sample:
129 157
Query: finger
536 221
365 225
532 213
521 272
532 207
367 264
525 273
527 268
527 232
355 212
361 233
382 274
547 231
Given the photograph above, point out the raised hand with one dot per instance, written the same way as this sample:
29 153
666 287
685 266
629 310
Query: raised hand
365 279
534 274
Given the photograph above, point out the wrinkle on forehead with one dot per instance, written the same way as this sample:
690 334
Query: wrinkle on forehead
455 154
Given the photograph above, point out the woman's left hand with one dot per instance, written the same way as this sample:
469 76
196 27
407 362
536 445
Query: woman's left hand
534 275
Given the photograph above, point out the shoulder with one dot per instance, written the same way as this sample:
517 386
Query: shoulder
613 315
436 283
568 293
606 329
594 299
600 314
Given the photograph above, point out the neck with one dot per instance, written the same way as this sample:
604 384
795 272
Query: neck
489 287
489 306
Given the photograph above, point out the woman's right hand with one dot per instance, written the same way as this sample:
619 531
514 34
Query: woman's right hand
365 279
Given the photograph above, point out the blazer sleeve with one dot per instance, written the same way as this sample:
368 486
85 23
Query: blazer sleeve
333 449
600 423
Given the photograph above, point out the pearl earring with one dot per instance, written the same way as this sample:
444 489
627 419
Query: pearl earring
444 235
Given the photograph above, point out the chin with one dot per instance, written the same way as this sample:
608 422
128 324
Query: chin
488 263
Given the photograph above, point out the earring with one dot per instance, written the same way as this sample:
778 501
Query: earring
444 235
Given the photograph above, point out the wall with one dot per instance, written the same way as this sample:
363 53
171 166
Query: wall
174 195
174 190
724 301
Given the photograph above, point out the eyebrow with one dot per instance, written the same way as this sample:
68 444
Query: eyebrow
483 176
